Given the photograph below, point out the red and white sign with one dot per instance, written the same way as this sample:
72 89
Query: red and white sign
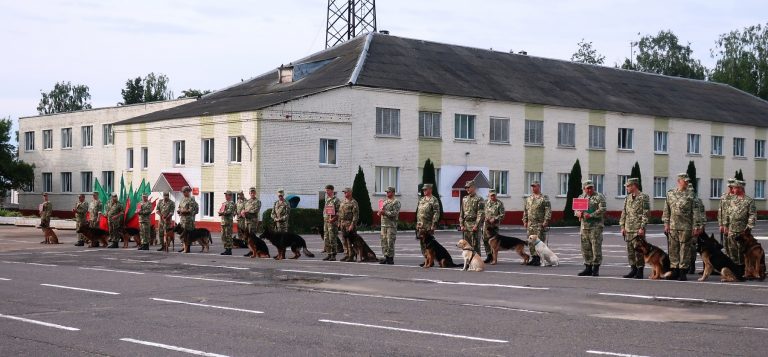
580 204
196 191
381 204
330 211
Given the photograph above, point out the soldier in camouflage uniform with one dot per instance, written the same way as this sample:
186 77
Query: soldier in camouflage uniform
281 211
165 208
634 218
80 210
389 214
94 211
187 210
330 223
250 213
227 213
46 210
681 222
349 214
694 240
427 214
741 215
494 213
115 216
240 206
537 213
471 215
144 210
592 229
724 203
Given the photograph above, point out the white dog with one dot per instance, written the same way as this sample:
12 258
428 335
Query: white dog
472 260
547 255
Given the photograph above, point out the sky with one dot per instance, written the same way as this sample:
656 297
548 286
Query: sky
213 44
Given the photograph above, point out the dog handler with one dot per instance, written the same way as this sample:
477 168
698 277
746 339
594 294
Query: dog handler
349 214
494 213
681 222
740 216
165 208
592 230
471 215
536 216
227 213
145 230
634 218
389 213
330 226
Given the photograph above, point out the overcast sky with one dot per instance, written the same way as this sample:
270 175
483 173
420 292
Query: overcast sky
212 44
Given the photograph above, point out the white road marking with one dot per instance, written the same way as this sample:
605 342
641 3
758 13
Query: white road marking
480 284
365 295
211 306
208 279
651 297
113 271
756 328
42 323
320 272
81 289
612 354
38 264
628 280
140 261
413 331
5 279
505 308
173 348
216 266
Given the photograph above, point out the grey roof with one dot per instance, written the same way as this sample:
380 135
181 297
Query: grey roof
399 63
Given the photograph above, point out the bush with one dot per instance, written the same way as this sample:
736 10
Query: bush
301 220
7 213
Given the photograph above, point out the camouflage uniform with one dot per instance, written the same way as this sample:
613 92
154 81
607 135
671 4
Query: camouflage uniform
94 210
681 214
115 219
187 220
281 211
592 229
165 208
46 210
349 214
252 207
740 216
536 212
81 208
389 215
634 217
227 213
144 211
330 226
427 214
493 210
240 206
724 204
470 217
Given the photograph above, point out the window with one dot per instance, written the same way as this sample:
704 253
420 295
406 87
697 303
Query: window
625 138
660 141
178 152
464 127
693 143
207 152
385 177
562 182
66 138
108 134
144 158
596 137
235 149
47 139
499 181
717 146
566 135
387 122
47 182
29 141
715 188
760 149
621 190
206 203
534 132
499 130
659 187
86 132
66 182
738 147
328 151
530 177
597 180
429 124
129 159
760 189
108 180
30 187
86 181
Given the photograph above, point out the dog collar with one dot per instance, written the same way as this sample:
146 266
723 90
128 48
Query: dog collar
537 243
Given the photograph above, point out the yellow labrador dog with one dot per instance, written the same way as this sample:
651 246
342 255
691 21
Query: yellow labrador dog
472 260
548 257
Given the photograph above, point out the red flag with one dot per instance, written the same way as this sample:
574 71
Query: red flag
103 223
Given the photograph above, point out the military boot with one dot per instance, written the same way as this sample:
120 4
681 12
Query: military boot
144 247
327 257
488 258
675 274
390 260
113 245
332 257
596 270
79 244
639 273
384 260
587 270
346 258
227 251
683 274
631 274
535 261
162 248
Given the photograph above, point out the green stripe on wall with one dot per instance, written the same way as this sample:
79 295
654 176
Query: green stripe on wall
534 112
597 157
428 148
206 172
534 156
235 172
660 164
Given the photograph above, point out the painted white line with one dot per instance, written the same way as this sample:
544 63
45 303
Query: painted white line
612 354
320 272
41 323
113 271
756 328
140 261
207 279
651 297
211 306
173 348
216 266
81 289
364 295
480 284
505 308
5 279
413 331
627 280
38 264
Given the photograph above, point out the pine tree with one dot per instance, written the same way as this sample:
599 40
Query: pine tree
636 174
692 176
574 190
429 177
360 194
739 175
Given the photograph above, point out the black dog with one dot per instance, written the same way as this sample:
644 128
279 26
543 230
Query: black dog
257 246
283 240
435 252
359 250
715 260
201 235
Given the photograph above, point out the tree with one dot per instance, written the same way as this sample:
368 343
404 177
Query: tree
574 190
587 54
742 60
739 175
14 173
152 88
64 97
636 174
193 93
663 54
429 177
133 92
360 194
691 171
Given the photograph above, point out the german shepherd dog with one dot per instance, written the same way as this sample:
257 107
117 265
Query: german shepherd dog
754 256
129 233
257 246
435 252
359 249
201 235
500 242
655 257
50 236
284 240
93 236
169 237
319 230
715 260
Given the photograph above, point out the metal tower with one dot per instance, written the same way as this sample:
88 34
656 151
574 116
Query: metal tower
349 18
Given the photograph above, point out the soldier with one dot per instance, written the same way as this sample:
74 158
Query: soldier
281 211
165 208
144 210
634 218
471 215
592 230
740 216
537 213
80 210
494 213
330 226
389 213
240 219
227 212
349 214
724 204
94 211
46 210
427 214
250 213
703 216
681 222
115 215
187 211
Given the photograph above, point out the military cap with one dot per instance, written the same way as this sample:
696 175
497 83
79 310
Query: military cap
144 195
535 183
114 194
587 183
470 183
682 176
241 193
390 189
731 180
252 189
95 192
228 193
280 192
632 181
166 194
426 186
329 187
347 189
491 192
186 189
739 183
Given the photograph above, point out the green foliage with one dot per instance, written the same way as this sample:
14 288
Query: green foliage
574 190
742 60
14 173
133 92
636 174
152 88
193 93
64 97
587 54
739 175
301 220
691 171
663 54
360 194
429 177
7 213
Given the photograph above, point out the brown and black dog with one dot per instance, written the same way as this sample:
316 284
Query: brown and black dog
93 236
129 233
201 235
435 252
257 246
50 236
754 256
359 248
169 237
655 257
285 240
499 243
715 260
319 230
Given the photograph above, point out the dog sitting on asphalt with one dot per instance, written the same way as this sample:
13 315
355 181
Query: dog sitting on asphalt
93 235
715 260
284 240
129 233
472 260
754 256
547 255
499 243
655 257
360 250
50 236
435 252
201 235
258 248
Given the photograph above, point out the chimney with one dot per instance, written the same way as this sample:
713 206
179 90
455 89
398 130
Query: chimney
285 74
524 53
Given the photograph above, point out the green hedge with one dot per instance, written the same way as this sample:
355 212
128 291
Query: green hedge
7 213
301 220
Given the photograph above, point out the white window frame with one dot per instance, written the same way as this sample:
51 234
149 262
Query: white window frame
29 141
759 149
566 135
325 157
499 180
208 147
235 149
429 125
48 139
384 175
621 190
86 181
597 137
693 146
86 132
599 181
179 152
144 158
531 176
464 127
207 204
47 182
388 122
108 134
499 130
660 187
533 135
129 159
759 190
562 184
66 182
108 180
715 188
66 138
717 145
739 147
626 139
660 142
